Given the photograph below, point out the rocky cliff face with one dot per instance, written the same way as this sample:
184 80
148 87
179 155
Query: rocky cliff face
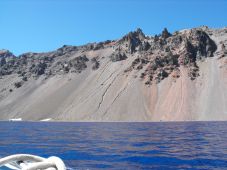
168 77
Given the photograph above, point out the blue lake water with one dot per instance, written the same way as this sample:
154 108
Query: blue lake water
88 146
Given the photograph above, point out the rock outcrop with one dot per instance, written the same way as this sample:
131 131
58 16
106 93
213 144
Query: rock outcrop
178 76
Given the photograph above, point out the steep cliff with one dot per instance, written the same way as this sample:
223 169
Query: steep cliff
168 77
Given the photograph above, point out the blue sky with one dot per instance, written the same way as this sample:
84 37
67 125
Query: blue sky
44 25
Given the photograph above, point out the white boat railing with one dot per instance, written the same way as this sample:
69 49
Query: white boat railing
32 162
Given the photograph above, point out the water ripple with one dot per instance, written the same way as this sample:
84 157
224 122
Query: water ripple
189 145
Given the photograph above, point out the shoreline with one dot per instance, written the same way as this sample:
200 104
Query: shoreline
187 121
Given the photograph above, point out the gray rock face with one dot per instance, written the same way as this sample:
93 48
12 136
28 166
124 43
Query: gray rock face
165 58
133 40
118 56
6 54
195 45
95 64
125 79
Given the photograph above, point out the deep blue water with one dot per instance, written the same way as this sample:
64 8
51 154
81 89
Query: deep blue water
83 146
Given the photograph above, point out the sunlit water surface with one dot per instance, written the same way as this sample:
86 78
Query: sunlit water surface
83 146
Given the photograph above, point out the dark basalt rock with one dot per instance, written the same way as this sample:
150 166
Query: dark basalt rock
141 61
118 57
95 65
98 46
7 61
78 63
171 51
193 71
144 46
165 33
188 55
18 84
90 46
157 57
2 61
223 47
25 79
162 74
39 69
66 49
203 43
156 38
223 51
133 39
6 54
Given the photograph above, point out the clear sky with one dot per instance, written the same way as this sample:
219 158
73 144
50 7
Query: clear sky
44 25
